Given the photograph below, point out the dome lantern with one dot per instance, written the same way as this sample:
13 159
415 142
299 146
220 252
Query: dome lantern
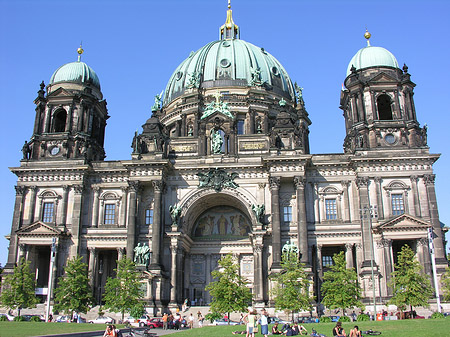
229 30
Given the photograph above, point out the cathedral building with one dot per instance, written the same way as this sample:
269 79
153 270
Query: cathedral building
223 166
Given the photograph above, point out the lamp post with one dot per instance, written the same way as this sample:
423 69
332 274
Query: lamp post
369 212
50 278
433 264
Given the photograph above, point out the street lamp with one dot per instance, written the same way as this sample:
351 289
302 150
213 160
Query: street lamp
369 212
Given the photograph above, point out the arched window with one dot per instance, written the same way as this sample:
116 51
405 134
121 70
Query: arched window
59 121
384 107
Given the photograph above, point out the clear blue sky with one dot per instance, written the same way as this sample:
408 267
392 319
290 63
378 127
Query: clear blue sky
134 46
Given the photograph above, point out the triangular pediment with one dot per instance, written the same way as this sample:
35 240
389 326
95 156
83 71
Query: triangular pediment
403 222
382 78
39 228
60 92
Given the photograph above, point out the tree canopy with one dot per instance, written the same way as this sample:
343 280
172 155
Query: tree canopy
291 288
19 288
446 284
74 292
124 291
410 285
229 292
340 287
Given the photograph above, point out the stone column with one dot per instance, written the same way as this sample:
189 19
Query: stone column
424 256
131 229
22 252
388 263
349 255
95 207
315 187
123 209
173 273
16 224
258 269
379 198
32 204
363 187
346 216
276 226
208 277
156 228
434 218
65 197
319 260
76 219
415 193
302 224
91 265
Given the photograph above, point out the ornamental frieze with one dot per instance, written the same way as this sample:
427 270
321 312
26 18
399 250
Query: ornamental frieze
217 179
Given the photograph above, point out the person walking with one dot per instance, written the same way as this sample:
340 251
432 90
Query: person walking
191 321
264 323
165 319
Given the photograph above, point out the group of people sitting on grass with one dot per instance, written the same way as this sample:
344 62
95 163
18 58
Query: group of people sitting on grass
339 331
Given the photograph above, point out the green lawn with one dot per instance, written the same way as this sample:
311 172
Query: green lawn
408 328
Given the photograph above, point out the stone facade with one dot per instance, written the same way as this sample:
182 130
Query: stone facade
191 197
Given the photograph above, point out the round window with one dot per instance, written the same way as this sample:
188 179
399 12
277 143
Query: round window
226 44
275 71
179 75
225 63
390 138
54 150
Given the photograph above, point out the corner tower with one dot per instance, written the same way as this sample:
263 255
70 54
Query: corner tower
70 120
378 103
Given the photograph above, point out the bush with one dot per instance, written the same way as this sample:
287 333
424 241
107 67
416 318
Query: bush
35 319
3 318
19 319
325 319
362 318
344 319
437 315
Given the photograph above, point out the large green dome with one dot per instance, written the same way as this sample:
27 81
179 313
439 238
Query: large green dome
75 72
226 63
371 56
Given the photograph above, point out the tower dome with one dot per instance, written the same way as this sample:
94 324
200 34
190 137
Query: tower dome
371 56
229 62
77 71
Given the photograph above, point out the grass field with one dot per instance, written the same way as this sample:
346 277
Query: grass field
409 328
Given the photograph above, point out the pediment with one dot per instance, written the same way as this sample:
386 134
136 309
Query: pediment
403 222
382 78
39 228
60 92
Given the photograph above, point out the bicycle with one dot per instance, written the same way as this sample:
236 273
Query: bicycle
371 332
136 333
314 333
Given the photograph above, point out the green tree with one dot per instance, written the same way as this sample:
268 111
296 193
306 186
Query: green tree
409 284
291 288
123 292
340 287
446 284
19 288
229 292
74 292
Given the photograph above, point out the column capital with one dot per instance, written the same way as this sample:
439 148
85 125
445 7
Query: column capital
274 183
158 185
133 186
120 250
258 248
377 179
429 179
423 242
92 250
349 246
345 183
78 189
299 182
20 190
413 178
362 182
